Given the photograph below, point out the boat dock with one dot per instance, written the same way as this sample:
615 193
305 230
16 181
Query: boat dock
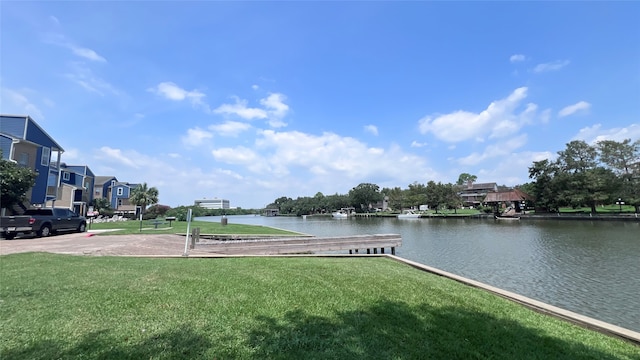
298 245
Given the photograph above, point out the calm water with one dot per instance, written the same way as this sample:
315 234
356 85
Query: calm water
591 268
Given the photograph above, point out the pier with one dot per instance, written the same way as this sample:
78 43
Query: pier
299 245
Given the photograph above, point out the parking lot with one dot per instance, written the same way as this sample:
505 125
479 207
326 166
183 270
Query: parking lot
89 243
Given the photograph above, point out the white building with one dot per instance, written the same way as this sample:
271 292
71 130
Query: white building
214 203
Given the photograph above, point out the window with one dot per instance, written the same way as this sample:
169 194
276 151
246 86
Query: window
23 159
46 156
113 183
120 191
65 175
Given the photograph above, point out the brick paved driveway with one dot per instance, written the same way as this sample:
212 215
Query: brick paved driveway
91 244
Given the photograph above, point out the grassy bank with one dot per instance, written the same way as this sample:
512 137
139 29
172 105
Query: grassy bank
58 306
206 227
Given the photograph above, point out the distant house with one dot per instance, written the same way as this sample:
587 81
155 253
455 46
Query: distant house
214 203
515 197
474 194
120 194
24 142
76 188
102 187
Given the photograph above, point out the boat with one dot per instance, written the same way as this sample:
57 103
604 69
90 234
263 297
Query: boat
507 218
409 214
340 214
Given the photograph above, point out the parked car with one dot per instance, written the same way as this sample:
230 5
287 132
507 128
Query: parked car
42 221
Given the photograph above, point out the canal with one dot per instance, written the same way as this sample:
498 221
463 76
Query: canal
589 267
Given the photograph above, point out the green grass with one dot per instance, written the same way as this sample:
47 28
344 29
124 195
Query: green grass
606 209
206 227
69 307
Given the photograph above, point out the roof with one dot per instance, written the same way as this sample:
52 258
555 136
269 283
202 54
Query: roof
479 186
101 180
511 195
30 121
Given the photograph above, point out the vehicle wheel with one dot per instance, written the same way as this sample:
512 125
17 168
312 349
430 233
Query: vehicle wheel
8 236
44 231
82 228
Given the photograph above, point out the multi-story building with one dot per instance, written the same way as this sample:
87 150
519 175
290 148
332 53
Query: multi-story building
75 188
24 142
474 194
214 203
120 194
102 187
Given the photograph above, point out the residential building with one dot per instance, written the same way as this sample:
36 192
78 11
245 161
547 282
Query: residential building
120 194
102 187
24 142
514 197
75 189
474 194
214 203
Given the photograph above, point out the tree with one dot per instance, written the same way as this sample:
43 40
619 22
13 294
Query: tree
434 195
465 177
102 206
416 194
451 198
364 195
15 182
545 186
578 156
619 156
144 196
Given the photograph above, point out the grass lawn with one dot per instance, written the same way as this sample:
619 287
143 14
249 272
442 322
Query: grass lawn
206 227
73 307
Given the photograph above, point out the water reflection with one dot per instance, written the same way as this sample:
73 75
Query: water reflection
591 268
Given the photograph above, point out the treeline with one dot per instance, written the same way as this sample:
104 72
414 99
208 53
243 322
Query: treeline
585 175
180 212
366 197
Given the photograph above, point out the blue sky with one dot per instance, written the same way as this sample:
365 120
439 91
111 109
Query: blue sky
250 101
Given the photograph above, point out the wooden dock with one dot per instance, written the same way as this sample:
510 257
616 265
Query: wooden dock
300 245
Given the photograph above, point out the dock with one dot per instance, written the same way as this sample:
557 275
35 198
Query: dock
299 245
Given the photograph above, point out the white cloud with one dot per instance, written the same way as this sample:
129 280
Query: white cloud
596 133
230 128
83 76
499 119
54 20
275 105
171 91
499 149
332 159
581 106
512 169
133 160
62 41
240 109
550 66
237 155
371 129
417 144
517 58
255 87
87 53
195 137
15 102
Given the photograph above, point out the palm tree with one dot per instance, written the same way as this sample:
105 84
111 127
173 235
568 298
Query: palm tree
144 196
